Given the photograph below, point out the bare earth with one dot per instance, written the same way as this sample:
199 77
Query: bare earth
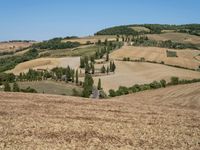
131 73
46 63
158 119
186 57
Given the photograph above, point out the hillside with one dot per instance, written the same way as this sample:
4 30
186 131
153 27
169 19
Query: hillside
158 119
193 29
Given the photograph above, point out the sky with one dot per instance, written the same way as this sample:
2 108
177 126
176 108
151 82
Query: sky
45 19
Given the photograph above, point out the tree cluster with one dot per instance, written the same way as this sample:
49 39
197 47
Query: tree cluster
10 62
56 43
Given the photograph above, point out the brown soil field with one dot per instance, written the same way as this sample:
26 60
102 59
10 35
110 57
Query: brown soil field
159 119
46 63
178 37
186 57
131 73
13 46
92 39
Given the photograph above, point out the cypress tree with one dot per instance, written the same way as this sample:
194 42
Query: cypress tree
82 63
103 69
99 85
108 70
87 86
93 69
72 74
107 56
77 76
113 67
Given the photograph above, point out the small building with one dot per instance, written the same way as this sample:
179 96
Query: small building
100 61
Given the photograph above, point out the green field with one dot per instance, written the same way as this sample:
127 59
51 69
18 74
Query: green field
90 50
51 87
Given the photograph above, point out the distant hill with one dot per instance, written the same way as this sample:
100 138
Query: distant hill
193 29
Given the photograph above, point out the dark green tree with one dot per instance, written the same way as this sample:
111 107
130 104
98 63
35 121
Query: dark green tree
77 76
82 63
93 69
73 74
99 85
107 56
103 69
87 86
107 70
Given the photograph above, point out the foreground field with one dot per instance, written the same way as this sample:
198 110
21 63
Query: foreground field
131 73
186 58
159 119
46 63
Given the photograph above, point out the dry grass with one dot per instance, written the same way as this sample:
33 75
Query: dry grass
186 58
13 46
46 63
92 39
178 37
131 73
161 119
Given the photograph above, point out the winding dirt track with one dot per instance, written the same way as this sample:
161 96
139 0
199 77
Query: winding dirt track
158 119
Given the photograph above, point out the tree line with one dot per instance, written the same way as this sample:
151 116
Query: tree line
10 62
145 41
122 90
193 29
56 43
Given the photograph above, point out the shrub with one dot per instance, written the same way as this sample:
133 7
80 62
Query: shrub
124 90
155 85
174 80
171 53
163 83
112 93
29 90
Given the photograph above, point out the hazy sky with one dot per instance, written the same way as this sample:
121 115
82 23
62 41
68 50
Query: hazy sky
44 19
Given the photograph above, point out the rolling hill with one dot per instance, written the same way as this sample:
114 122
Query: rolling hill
159 119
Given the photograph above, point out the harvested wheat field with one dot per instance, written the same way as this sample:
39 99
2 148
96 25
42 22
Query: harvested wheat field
13 46
46 63
131 73
158 119
92 39
178 37
186 58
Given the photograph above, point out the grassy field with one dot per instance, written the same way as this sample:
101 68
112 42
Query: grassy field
167 118
80 51
46 63
50 87
13 46
92 39
186 57
131 73
177 37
